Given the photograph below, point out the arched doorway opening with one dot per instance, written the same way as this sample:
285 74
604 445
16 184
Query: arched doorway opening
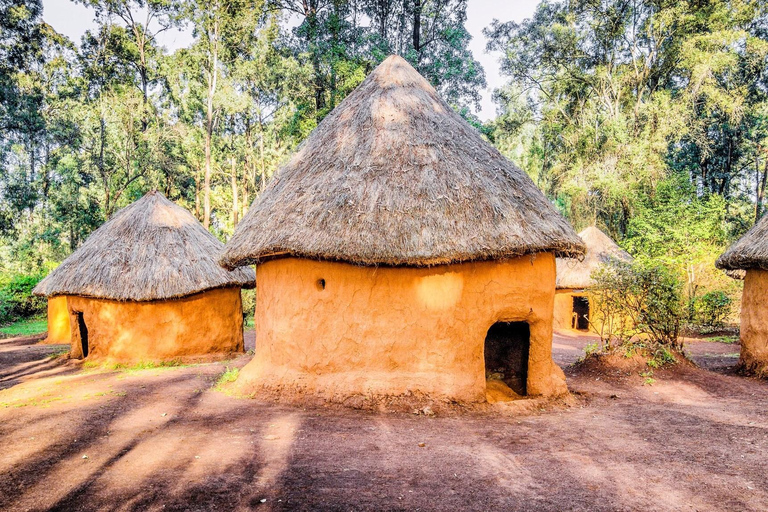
506 355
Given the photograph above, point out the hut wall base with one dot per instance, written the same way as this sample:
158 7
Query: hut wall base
339 329
754 323
205 323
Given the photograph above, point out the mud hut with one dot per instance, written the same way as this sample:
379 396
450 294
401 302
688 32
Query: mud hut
399 252
147 286
747 258
574 279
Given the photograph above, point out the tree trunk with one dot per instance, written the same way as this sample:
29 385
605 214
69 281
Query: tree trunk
760 186
197 195
235 207
212 77
263 167
310 13
417 28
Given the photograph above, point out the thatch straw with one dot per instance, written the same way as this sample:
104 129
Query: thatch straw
572 273
149 250
748 252
393 176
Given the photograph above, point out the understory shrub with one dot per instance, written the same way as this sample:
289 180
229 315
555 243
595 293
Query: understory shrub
249 304
637 306
713 308
16 299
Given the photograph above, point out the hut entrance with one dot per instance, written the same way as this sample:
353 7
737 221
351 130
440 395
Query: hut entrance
580 313
82 331
506 356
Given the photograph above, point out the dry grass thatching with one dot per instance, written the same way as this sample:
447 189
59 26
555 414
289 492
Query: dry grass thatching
152 249
572 273
748 252
739 274
394 176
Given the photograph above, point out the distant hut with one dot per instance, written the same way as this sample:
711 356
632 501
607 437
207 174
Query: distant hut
147 286
398 251
574 279
747 259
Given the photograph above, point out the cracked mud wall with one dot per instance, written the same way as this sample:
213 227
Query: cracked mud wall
205 323
754 322
58 320
341 329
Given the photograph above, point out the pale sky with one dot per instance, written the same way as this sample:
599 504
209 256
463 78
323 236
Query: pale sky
73 20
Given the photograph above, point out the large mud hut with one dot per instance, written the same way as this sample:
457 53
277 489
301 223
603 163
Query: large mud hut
147 286
399 252
574 279
747 258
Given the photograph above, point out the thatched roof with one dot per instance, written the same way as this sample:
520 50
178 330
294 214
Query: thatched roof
748 252
739 274
394 176
572 273
152 249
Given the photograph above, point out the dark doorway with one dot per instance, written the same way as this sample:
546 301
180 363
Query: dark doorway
581 313
83 330
506 354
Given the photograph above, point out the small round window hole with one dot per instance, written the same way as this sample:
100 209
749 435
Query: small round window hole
320 284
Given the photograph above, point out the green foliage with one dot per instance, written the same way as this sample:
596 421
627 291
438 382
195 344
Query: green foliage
25 328
648 118
637 304
229 375
90 126
713 308
724 339
16 299
249 304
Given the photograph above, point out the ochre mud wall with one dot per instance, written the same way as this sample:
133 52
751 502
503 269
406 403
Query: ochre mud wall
563 312
754 322
204 323
58 320
341 329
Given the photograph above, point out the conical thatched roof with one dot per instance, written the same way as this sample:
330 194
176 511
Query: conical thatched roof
572 273
152 249
748 252
394 176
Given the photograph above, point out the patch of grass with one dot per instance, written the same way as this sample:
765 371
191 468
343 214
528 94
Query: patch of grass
148 365
648 376
661 357
108 393
26 327
229 375
136 367
58 353
32 402
724 339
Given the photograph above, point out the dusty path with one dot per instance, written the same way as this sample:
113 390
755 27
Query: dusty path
165 440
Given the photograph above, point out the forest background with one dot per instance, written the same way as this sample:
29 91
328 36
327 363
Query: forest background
648 119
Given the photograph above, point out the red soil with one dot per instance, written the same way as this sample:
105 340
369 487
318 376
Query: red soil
74 439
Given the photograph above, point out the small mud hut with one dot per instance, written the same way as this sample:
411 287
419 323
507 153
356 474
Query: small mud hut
399 252
147 286
574 279
747 259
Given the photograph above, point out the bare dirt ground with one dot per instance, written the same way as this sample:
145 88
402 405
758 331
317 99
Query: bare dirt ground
165 439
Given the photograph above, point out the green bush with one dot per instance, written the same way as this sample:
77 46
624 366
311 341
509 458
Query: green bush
637 303
16 299
713 308
249 304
